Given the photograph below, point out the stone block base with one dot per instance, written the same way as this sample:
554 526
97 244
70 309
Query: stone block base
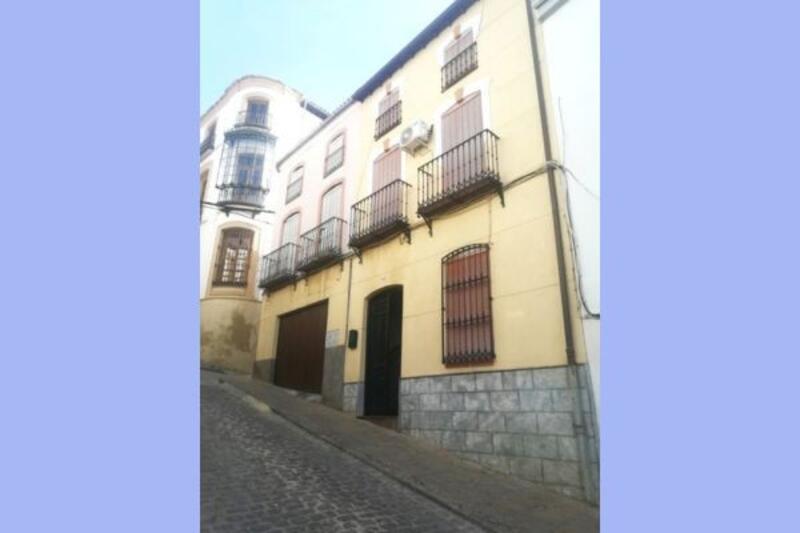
538 424
353 398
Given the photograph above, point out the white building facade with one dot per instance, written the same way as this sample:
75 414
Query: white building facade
242 136
570 33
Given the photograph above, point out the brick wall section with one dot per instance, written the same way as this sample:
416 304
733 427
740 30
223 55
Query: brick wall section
518 422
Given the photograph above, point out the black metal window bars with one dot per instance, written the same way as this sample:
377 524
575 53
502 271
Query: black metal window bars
234 193
278 266
255 117
467 335
388 119
321 245
462 64
380 214
467 170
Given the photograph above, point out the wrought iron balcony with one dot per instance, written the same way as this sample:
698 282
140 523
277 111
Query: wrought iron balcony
278 266
379 215
465 62
322 245
254 119
388 119
246 195
467 170
207 145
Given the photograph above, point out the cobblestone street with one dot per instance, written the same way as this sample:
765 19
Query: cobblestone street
260 473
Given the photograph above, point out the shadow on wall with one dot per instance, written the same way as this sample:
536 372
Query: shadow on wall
231 345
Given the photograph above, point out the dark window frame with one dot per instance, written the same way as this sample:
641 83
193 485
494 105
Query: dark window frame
238 276
255 115
467 319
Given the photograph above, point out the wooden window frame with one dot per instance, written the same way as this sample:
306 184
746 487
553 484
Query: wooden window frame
467 328
219 268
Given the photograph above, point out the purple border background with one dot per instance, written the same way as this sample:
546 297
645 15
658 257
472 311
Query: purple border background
99 396
99 401
700 359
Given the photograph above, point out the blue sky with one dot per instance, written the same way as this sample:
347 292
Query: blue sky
323 48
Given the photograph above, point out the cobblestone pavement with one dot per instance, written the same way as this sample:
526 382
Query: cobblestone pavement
260 473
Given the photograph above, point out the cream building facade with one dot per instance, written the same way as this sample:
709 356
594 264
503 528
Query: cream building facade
422 270
253 123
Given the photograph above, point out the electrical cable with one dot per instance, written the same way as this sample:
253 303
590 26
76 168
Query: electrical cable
573 243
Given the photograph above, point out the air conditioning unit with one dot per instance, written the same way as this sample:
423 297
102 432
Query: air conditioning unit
415 136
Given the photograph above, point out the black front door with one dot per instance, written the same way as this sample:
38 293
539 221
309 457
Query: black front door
384 332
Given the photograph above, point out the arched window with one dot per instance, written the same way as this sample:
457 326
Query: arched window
295 185
334 155
467 306
233 257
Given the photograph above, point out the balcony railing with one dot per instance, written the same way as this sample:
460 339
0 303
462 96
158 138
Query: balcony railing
321 245
465 62
207 145
380 214
278 266
388 119
256 119
248 195
466 170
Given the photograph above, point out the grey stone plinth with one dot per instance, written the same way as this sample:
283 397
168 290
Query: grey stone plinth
520 422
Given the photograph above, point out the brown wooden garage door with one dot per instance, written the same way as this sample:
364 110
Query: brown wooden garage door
301 348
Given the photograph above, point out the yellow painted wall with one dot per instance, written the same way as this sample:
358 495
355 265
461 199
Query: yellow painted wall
228 332
527 315
330 284
229 316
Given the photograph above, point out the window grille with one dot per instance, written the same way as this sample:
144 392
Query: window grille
467 335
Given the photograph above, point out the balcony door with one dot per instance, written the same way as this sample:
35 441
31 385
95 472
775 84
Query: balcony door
385 205
330 211
291 229
463 158
290 232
